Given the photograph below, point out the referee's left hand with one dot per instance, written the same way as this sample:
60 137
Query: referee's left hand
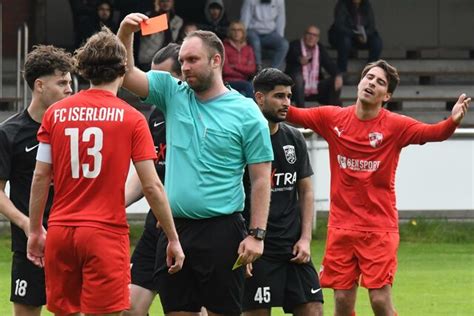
174 256
250 249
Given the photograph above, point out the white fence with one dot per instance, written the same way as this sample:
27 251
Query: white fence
432 177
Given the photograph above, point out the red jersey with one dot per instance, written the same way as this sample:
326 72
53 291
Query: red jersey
363 159
93 135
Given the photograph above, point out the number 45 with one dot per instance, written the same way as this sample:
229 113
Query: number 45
94 151
262 295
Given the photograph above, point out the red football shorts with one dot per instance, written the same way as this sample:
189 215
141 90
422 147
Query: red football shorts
352 255
87 270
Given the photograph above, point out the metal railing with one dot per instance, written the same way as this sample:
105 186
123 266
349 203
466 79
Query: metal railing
1 50
22 40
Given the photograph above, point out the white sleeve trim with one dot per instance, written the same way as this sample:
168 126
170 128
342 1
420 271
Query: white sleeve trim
44 153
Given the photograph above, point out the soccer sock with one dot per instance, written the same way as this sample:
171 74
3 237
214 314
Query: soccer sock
354 313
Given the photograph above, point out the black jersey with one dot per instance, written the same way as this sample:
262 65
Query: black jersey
18 147
157 127
291 163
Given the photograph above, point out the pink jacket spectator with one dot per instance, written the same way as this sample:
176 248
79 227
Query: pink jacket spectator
239 64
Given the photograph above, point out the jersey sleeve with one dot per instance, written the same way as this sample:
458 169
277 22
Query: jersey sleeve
161 86
5 156
305 169
313 118
142 142
256 137
43 134
415 132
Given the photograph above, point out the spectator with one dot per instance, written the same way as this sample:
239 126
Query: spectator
190 11
187 28
216 19
102 17
239 62
354 27
265 22
304 63
83 12
150 44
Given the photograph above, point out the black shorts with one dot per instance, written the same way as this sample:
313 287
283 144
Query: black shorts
281 284
143 259
207 279
27 282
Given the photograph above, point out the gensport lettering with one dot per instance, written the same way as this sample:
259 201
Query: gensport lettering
358 164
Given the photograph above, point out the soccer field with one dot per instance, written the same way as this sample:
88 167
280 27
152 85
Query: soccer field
432 279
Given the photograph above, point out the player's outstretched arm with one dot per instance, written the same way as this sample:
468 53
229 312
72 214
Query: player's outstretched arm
14 215
250 249
155 194
302 248
38 197
135 79
460 108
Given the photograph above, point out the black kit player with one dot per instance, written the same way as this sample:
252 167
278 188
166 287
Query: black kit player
47 73
143 289
284 276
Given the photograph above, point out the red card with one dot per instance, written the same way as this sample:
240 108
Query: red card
154 25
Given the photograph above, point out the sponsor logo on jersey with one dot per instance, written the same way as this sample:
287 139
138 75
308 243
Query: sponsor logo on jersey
358 164
375 139
338 132
290 153
282 181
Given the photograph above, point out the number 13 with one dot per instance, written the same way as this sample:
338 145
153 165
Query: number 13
94 151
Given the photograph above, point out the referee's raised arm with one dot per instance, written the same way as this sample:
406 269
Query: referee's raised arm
135 79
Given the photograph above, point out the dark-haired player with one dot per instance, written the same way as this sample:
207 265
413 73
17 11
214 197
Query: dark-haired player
47 73
284 276
365 142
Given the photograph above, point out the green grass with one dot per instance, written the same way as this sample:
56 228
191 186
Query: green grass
435 273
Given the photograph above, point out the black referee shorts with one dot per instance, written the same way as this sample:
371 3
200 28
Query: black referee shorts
207 278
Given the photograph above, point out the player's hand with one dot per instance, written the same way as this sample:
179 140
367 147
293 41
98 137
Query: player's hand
301 251
35 248
460 108
131 23
174 256
248 270
250 249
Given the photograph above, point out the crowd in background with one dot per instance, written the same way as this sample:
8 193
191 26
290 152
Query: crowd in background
254 41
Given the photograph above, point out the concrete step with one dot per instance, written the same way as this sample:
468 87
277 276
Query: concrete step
418 92
422 66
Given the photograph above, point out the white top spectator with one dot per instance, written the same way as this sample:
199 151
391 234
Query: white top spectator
264 16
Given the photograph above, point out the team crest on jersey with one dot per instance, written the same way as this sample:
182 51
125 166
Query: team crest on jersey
375 139
290 153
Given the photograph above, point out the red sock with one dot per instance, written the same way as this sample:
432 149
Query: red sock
354 313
